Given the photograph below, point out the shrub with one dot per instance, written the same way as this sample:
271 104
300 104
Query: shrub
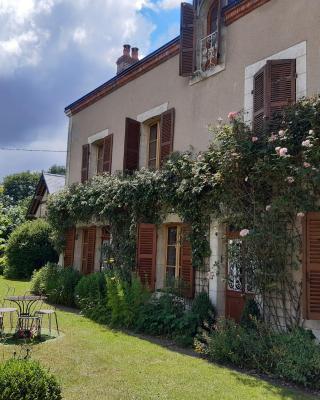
91 297
27 380
3 263
57 283
29 248
297 358
126 300
204 309
292 356
250 314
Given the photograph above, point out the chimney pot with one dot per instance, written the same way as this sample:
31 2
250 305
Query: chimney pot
135 53
126 49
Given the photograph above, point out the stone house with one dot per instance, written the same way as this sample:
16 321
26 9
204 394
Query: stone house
252 55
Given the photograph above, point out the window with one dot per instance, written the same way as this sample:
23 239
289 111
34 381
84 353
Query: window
100 158
213 18
178 262
173 253
154 146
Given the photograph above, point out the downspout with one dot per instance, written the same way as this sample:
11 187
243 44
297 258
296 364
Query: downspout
69 115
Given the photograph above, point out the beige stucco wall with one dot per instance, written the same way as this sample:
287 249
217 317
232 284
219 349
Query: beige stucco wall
268 30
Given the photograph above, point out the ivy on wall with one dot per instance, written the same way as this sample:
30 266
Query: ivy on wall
260 185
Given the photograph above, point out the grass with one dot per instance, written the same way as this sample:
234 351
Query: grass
93 362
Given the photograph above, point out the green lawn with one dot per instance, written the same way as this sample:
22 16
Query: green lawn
93 362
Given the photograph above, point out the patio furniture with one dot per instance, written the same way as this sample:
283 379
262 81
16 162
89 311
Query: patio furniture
29 324
49 313
6 310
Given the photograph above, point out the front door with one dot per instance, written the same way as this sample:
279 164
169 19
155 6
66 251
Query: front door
236 285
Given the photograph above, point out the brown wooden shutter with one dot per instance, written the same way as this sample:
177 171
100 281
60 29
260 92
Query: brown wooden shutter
259 101
312 266
187 269
88 249
146 254
70 236
280 86
166 134
131 145
107 153
187 53
274 89
85 162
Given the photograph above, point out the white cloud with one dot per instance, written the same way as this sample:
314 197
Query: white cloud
168 4
79 35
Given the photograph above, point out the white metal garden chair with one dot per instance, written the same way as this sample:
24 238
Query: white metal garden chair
4 309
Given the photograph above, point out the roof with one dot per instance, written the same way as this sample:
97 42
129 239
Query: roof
54 182
147 63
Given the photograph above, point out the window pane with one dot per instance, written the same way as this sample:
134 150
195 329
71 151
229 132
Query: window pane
172 235
153 132
152 150
171 273
171 256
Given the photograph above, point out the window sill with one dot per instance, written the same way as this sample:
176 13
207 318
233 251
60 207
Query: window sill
200 76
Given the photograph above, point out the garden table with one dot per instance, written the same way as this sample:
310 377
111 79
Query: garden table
25 303
28 323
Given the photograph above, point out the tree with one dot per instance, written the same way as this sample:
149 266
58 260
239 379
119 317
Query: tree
29 248
19 186
57 169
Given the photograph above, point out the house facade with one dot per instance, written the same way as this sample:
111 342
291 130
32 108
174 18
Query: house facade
252 55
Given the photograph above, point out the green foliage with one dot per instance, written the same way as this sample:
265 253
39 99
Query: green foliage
91 297
57 283
57 169
27 380
204 309
250 314
293 356
29 248
20 186
3 263
126 300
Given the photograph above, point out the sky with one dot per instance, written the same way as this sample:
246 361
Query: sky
54 51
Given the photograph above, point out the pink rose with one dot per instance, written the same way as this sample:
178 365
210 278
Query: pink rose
277 149
283 152
281 133
244 232
272 138
254 139
232 115
290 179
306 143
300 214
306 165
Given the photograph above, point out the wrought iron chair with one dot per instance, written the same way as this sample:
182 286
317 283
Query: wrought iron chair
7 310
29 323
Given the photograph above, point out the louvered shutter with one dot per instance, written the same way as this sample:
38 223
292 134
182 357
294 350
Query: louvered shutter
187 53
91 249
131 145
85 162
280 85
68 258
107 153
146 254
187 270
312 266
166 134
259 101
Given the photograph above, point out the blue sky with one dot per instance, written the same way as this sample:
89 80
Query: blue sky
54 51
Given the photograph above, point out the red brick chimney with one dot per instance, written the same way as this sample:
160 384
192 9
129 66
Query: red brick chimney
126 60
135 53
